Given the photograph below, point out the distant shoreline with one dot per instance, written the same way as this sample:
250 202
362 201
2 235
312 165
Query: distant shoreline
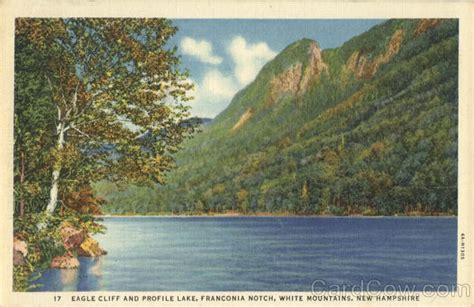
222 215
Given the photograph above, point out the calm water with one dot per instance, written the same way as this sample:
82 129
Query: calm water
263 254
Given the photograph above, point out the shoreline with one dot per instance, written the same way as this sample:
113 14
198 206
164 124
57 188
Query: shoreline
223 215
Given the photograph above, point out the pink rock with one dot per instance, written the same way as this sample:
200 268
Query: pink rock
18 258
72 237
67 261
20 246
20 250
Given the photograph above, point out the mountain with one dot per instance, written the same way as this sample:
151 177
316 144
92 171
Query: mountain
366 128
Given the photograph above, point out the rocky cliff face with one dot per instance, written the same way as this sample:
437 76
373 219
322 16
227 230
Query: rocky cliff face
297 79
426 24
315 68
242 120
286 82
359 64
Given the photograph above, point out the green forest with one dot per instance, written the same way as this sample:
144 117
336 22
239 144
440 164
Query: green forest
369 128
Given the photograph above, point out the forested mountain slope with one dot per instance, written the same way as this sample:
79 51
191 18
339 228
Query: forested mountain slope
367 128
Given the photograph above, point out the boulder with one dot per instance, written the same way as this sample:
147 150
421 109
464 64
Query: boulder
20 250
71 236
90 248
67 261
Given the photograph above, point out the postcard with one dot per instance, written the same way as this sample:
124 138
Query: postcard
236 153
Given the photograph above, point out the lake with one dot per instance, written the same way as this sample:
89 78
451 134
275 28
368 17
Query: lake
264 254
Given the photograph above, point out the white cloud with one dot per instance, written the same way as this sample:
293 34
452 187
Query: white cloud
218 85
248 58
201 50
213 93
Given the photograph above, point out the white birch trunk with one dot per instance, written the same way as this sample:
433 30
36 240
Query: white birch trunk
53 193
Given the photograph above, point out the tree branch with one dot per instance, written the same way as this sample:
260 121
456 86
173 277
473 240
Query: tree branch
59 113
81 132
74 98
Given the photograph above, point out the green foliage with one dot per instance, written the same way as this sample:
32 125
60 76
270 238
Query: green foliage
96 98
34 123
381 144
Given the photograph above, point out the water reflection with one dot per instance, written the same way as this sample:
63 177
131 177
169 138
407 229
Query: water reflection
96 268
90 274
85 278
68 278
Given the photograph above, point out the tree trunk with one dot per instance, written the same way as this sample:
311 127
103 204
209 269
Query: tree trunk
53 193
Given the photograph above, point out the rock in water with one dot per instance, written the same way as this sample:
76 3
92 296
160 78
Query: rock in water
90 248
67 261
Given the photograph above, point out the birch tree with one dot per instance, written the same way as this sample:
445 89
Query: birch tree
118 95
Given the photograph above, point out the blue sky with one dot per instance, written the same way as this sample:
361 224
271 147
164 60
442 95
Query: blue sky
224 55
